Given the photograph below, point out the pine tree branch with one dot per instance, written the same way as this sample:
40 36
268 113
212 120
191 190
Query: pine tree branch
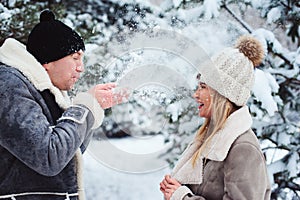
244 24
250 30
286 6
286 60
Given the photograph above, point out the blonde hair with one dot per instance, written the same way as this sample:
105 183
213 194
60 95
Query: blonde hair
221 108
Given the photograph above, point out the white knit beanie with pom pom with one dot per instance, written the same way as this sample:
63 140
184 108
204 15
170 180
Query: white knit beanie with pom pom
232 73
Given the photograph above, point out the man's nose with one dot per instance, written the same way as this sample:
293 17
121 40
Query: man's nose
80 68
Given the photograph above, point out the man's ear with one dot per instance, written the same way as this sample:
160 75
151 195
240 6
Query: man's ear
46 66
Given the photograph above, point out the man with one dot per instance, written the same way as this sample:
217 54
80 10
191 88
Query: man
42 135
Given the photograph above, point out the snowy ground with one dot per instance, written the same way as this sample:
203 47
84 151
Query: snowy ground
104 182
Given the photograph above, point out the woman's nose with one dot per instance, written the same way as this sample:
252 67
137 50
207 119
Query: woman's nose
195 95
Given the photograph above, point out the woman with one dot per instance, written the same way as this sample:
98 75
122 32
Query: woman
224 161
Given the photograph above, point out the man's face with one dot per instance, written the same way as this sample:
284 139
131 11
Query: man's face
66 71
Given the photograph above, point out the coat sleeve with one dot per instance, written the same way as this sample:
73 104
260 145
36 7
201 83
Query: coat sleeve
184 193
26 133
245 175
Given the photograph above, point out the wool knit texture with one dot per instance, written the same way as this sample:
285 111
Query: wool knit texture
51 39
231 74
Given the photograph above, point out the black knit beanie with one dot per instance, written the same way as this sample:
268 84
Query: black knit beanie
51 40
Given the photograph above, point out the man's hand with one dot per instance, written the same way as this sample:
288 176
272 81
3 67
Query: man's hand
105 95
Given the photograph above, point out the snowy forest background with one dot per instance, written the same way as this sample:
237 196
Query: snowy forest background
211 24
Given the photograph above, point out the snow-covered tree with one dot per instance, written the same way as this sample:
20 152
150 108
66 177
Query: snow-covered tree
19 17
276 107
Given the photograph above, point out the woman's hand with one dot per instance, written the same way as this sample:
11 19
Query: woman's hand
168 186
106 96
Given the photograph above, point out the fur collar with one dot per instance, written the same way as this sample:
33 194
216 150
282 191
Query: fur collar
237 123
14 54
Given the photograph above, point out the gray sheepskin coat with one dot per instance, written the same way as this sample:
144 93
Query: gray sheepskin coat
40 155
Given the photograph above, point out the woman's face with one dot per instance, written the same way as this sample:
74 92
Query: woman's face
203 98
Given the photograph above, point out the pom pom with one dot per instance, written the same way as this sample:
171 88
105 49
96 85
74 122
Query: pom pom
251 48
47 15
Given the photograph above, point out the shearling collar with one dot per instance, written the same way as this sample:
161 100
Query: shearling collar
236 124
14 54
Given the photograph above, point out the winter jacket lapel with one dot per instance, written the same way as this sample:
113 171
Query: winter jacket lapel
184 171
238 122
14 54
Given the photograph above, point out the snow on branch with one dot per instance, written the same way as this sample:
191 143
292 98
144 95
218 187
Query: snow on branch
275 46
